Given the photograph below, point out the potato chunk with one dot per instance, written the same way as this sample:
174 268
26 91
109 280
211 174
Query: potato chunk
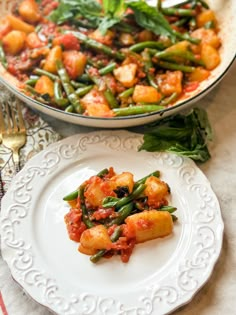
198 75
19 25
86 250
103 39
170 82
74 62
146 94
97 190
126 74
207 36
150 224
29 11
95 238
156 191
210 56
45 85
95 104
54 54
122 180
33 41
14 42
205 17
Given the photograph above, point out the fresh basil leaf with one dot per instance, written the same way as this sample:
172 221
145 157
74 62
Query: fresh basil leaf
62 14
152 143
167 132
185 135
107 23
114 7
114 11
199 153
204 123
69 9
151 19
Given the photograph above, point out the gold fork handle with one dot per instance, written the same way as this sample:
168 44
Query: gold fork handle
16 159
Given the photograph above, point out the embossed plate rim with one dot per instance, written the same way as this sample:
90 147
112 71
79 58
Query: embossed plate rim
173 289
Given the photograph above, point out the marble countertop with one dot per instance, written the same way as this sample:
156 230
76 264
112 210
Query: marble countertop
217 296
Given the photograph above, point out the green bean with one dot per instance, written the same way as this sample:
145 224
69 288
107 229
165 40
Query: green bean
127 93
143 180
71 196
170 209
48 74
175 66
102 173
92 63
123 213
193 23
69 109
3 58
70 91
147 67
204 4
187 37
179 53
95 78
136 193
58 96
168 100
181 22
109 68
107 93
75 101
136 110
84 78
77 84
178 12
65 80
31 82
159 5
91 43
83 90
43 98
149 44
32 90
114 237
85 216
110 98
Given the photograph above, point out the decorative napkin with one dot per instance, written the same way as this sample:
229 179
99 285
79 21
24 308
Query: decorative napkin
13 300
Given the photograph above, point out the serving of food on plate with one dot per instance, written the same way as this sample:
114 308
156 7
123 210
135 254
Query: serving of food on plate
109 59
110 213
124 212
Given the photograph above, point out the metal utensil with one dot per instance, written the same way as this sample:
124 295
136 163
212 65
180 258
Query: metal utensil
13 131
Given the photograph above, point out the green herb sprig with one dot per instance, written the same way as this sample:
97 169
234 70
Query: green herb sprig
185 135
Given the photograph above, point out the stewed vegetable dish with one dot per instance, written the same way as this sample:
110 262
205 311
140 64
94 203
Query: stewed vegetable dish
109 58
111 212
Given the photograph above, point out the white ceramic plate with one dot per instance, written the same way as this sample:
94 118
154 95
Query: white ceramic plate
225 11
161 275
